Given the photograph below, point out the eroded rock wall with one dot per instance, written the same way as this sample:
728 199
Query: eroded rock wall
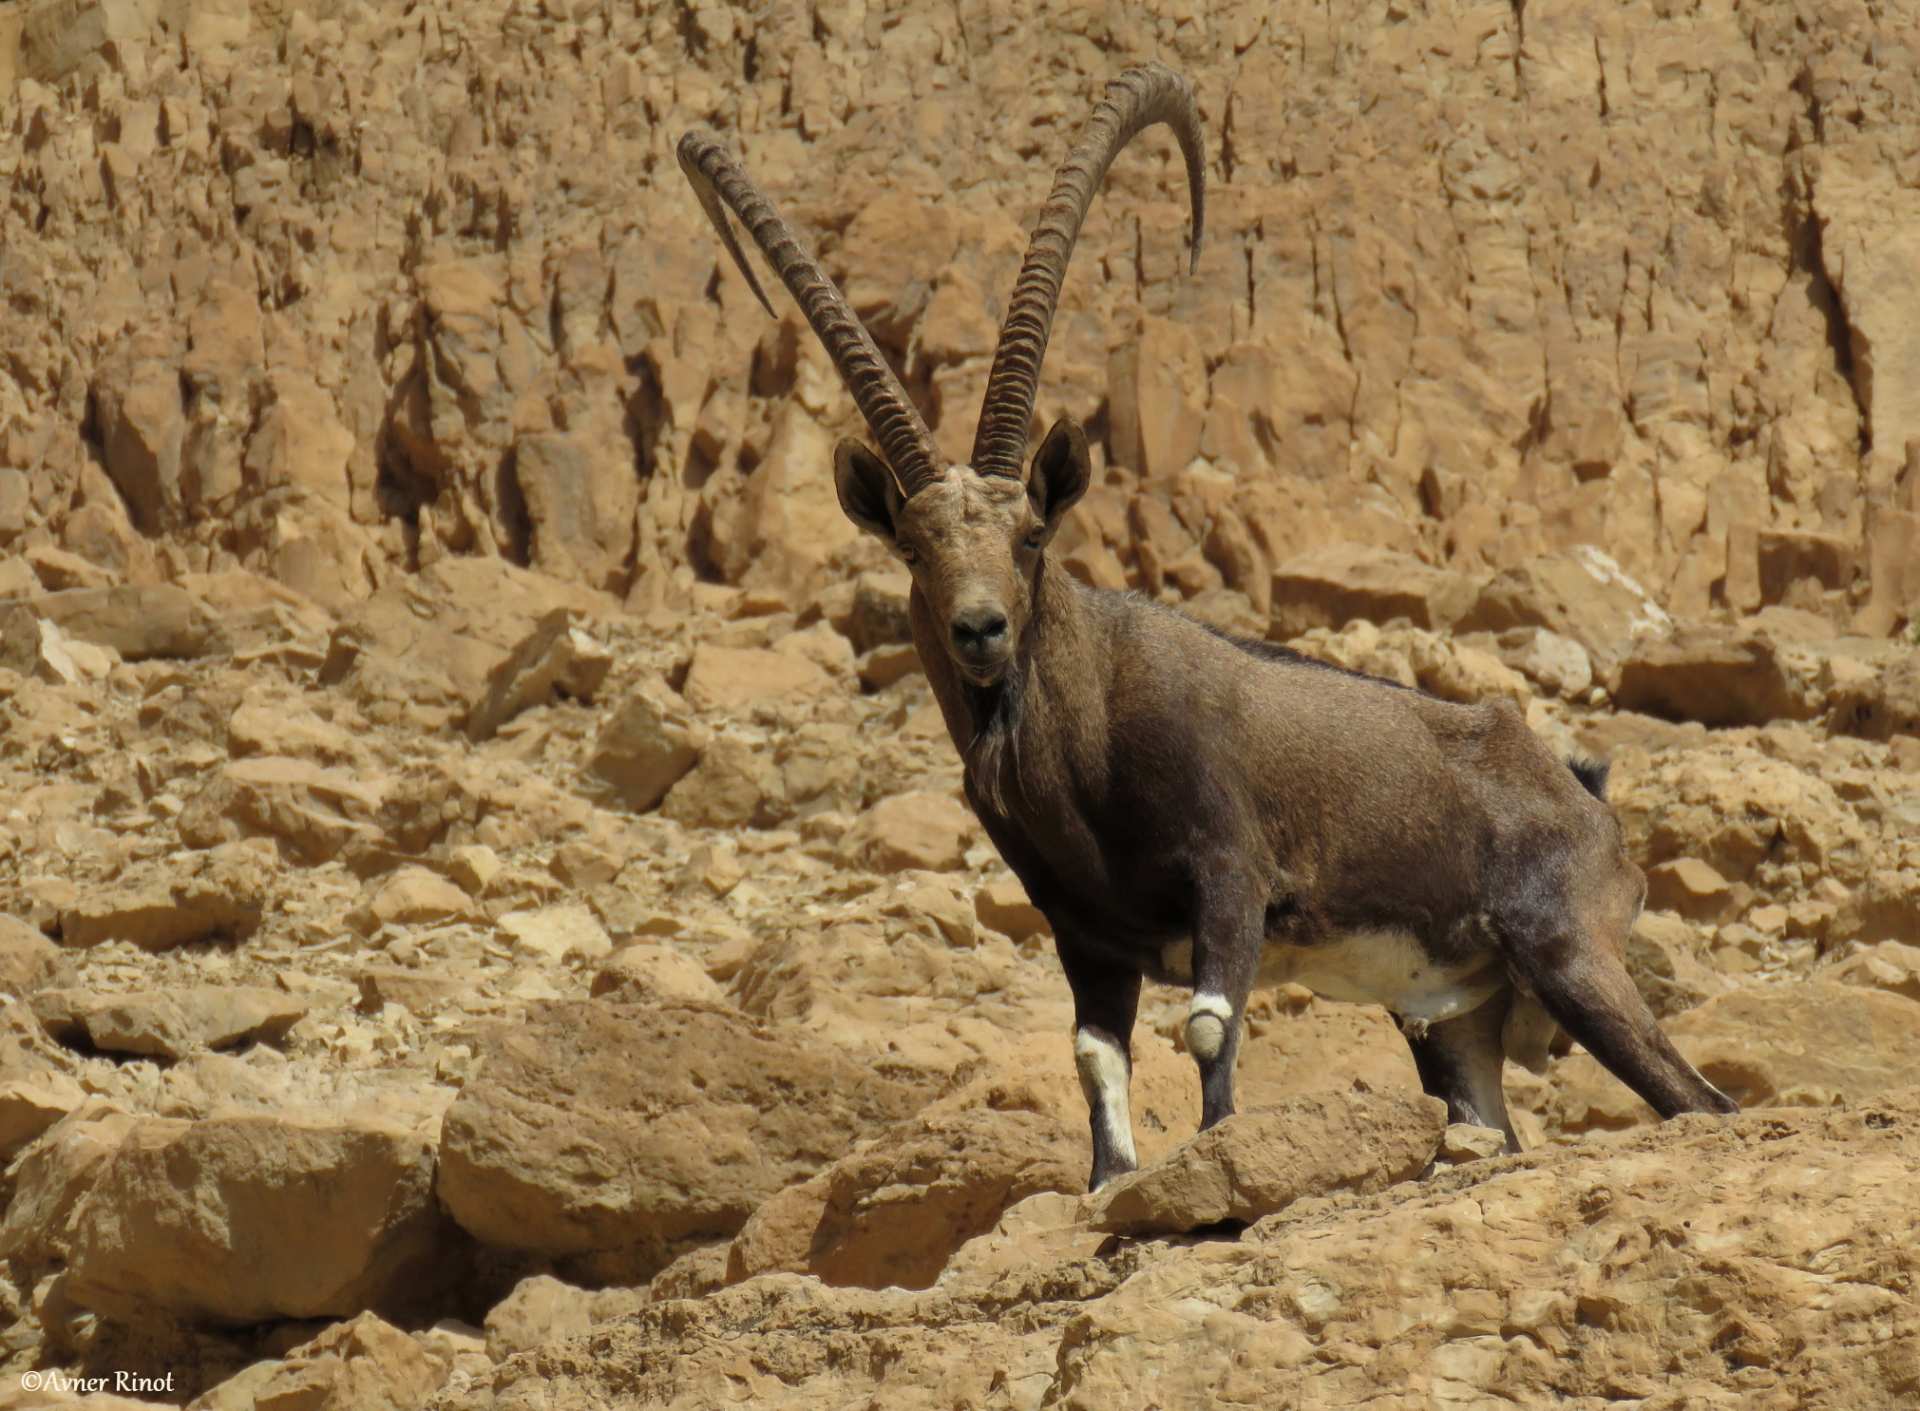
337 290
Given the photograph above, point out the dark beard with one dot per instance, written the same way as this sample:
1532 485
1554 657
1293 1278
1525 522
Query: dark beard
994 752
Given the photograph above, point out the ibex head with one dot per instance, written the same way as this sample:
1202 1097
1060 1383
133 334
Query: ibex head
973 536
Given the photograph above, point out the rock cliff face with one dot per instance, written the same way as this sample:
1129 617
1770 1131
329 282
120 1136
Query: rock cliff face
487 915
334 291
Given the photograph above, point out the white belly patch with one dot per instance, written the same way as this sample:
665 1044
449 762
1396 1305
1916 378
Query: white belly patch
1369 967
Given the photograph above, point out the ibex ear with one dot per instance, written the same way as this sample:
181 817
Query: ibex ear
1061 472
866 488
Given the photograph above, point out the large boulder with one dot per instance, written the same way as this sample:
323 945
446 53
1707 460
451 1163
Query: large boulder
594 1126
1581 593
242 1219
1334 585
1259 1162
893 1211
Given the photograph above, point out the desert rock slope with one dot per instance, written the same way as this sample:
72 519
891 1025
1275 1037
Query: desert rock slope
487 913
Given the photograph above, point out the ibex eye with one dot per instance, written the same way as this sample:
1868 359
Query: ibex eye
1035 538
908 554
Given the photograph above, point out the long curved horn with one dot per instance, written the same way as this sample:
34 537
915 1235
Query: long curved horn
1134 101
903 436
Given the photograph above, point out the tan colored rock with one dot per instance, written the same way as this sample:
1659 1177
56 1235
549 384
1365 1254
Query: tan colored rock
557 933
1692 888
646 746
1583 594
177 1217
169 1023
30 1105
732 680
554 1148
1716 675
1880 706
879 615
1003 905
139 622
734 785
1557 665
1669 965
916 829
1807 1045
309 811
1045 1229
542 1309
555 659
412 896
1462 1142
28 960
288 732
421 992
473 866
1259 1162
894 1211
1889 965
156 906
654 974
1335 585
364 1362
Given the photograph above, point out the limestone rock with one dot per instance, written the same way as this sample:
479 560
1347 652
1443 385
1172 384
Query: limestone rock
654 974
554 1148
915 829
220 893
28 960
139 622
1716 675
180 1213
1880 705
1003 905
171 1023
1890 965
1335 585
646 746
731 680
362 1362
555 659
894 1211
1259 1162
411 896
557 933
310 811
1583 594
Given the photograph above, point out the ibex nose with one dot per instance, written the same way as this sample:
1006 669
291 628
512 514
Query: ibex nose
979 632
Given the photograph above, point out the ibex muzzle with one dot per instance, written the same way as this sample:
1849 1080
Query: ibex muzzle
1207 811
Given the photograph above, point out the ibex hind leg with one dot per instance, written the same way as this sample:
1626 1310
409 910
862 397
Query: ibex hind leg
1585 986
1462 1062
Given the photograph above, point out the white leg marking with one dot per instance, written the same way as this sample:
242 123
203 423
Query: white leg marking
1103 1078
1207 1020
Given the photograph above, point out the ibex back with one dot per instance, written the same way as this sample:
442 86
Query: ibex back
1208 811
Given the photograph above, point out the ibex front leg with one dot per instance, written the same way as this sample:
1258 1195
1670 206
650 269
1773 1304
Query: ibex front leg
1227 937
1106 998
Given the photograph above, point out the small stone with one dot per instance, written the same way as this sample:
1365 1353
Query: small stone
1003 905
1463 1142
558 933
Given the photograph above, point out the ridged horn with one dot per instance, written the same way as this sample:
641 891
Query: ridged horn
1134 101
716 177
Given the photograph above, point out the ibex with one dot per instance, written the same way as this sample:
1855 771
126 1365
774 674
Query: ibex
1204 810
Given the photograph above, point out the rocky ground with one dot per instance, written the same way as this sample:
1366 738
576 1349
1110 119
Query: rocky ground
487 916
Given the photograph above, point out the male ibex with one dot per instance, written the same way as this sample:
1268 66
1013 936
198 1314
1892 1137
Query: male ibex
1205 810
